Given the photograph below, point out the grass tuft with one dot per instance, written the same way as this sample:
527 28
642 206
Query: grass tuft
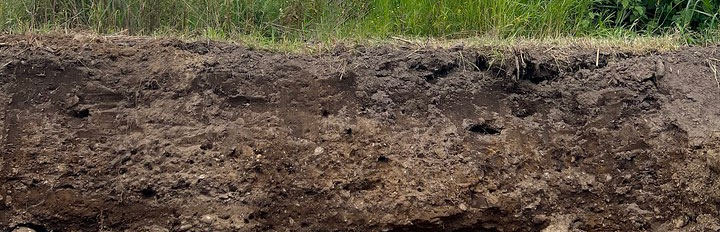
303 20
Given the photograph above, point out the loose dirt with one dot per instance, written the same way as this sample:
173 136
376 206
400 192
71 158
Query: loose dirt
138 134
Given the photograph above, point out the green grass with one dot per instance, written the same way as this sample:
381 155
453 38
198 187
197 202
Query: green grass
500 17
302 20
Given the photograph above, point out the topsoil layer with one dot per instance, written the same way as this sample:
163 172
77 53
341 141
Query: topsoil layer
137 134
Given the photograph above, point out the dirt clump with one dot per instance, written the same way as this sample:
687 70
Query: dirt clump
137 134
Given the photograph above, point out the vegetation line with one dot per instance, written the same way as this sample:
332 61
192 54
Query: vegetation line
695 20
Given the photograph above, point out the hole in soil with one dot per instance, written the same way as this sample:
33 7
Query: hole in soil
437 69
482 63
84 113
263 215
383 159
206 146
348 131
325 113
484 129
66 186
439 72
148 192
430 78
444 70
537 72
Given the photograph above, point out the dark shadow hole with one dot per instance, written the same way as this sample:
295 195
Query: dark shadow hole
84 113
537 73
206 146
484 129
148 192
430 78
482 63
383 159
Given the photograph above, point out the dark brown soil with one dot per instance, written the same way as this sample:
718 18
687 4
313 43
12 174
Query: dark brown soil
137 134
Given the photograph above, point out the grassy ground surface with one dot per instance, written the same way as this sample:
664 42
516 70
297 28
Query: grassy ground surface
289 21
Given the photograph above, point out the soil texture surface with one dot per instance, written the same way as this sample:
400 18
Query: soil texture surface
140 134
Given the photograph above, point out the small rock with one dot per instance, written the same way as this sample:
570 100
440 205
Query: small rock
492 200
71 101
319 150
208 218
680 222
659 68
622 190
463 207
154 228
247 151
560 223
634 208
184 227
23 229
713 160
708 221
225 216
540 219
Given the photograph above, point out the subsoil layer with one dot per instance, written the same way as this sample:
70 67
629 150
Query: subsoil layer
140 134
